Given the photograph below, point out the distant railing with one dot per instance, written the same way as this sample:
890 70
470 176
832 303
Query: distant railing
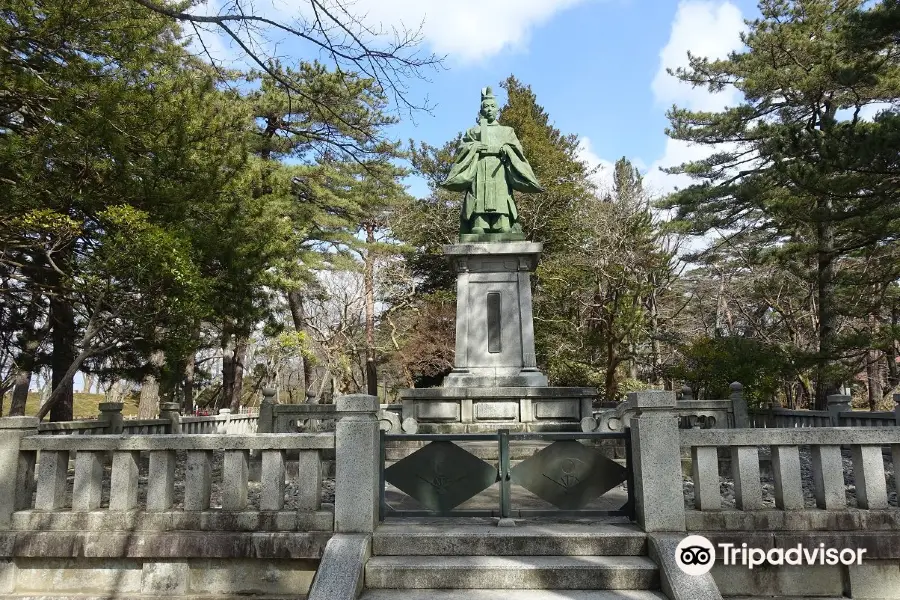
837 415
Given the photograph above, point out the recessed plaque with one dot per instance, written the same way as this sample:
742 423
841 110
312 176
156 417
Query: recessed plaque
493 319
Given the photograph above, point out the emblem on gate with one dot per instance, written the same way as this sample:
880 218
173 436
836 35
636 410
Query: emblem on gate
568 474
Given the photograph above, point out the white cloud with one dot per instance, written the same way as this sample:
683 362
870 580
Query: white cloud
466 30
603 176
705 28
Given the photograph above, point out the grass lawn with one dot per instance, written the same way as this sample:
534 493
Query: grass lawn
84 405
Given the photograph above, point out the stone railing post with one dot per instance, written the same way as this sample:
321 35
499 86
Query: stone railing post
837 404
266 422
655 443
224 426
739 406
897 418
17 482
111 414
169 412
356 440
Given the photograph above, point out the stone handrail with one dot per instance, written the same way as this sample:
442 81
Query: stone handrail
86 427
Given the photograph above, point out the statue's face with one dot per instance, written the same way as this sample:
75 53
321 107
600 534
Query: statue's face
489 110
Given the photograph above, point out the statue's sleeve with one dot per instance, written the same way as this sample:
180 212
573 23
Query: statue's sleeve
466 166
522 178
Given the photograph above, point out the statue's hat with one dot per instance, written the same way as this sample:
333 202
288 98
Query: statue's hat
487 94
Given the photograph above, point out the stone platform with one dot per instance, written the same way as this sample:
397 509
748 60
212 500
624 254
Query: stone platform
487 409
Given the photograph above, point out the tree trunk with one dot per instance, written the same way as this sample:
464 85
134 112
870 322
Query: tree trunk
369 284
893 351
298 315
30 342
654 337
237 382
62 320
187 402
227 369
148 407
826 380
88 383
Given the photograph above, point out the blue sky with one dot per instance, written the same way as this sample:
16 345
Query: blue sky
597 66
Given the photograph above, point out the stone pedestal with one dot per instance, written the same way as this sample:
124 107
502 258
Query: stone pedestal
494 323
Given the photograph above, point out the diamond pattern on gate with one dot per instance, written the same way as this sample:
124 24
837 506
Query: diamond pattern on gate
441 476
568 474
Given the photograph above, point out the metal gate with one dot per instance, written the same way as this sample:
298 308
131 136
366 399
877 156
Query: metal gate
568 474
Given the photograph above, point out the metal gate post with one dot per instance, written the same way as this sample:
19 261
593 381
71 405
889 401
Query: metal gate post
503 435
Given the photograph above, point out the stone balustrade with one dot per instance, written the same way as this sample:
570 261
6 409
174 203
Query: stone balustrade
113 464
827 510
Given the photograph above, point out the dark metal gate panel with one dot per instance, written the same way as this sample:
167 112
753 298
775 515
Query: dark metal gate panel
441 476
567 474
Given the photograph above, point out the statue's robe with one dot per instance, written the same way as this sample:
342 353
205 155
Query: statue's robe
489 178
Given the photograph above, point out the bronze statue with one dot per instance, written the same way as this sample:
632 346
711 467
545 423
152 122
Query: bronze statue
490 164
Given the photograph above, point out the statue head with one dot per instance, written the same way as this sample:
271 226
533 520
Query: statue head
489 108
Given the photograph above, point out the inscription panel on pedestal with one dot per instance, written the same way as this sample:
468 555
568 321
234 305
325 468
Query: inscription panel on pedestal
560 409
500 411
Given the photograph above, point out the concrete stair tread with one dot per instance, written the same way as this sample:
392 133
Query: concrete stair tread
489 540
433 594
512 572
556 530
512 562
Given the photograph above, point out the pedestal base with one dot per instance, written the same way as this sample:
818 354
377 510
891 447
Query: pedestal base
487 409
488 377
494 323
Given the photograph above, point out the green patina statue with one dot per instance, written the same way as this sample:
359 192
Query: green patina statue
489 165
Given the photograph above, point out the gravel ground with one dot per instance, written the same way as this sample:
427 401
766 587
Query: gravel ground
726 484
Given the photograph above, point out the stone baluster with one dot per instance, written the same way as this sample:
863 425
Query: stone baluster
739 406
223 426
123 490
868 473
272 480
356 464
266 419
51 485
235 475
17 467
705 470
111 415
837 404
788 482
197 479
161 480
309 471
657 466
745 469
686 393
828 477
88 481
169 412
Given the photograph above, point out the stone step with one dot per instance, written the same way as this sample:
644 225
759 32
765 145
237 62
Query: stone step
523 540
512 595
512 572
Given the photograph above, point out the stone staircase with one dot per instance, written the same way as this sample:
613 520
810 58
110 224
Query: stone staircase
585 561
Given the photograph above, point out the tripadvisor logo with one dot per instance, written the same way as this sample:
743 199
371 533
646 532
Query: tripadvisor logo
696 555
